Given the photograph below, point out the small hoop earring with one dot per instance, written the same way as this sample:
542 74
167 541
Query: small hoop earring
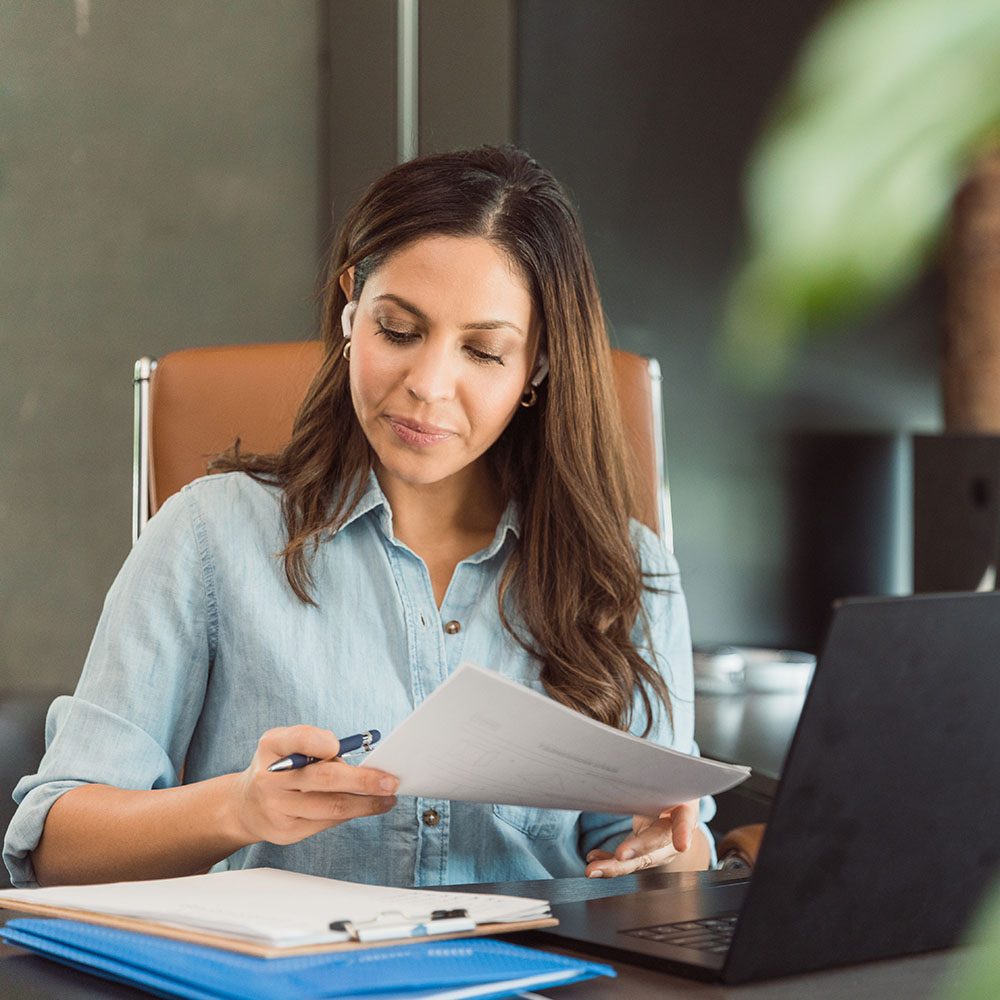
529 398
347 351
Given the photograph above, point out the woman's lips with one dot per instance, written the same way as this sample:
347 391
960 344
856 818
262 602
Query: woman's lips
420 435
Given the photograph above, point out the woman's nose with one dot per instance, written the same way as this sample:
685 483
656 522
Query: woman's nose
432 373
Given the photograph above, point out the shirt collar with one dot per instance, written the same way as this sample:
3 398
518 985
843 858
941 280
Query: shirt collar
373 501
510 521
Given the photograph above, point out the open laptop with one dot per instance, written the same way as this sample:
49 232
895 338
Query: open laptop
885 831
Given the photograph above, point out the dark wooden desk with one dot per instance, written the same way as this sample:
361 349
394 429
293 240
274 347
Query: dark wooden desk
25 977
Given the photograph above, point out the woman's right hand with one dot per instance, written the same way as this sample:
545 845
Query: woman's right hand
284 807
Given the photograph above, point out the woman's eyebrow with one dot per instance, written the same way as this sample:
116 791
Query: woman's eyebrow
485 324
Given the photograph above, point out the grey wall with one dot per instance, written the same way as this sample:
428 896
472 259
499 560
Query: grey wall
467 73
466 93
158 189
170 174
646 109
360 105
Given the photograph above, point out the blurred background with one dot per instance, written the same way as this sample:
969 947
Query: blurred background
171 174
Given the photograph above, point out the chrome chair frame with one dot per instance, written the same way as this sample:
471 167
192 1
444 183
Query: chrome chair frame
665 512
145 367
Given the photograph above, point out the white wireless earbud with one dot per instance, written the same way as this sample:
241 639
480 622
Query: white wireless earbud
345 319
541 370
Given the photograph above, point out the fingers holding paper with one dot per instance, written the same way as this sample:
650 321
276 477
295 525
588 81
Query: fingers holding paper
284 807
655 841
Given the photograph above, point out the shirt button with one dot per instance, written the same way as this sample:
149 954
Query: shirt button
431 817
453 627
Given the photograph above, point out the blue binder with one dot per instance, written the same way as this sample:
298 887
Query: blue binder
196 972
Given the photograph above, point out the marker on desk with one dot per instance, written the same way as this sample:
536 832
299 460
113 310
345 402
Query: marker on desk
349 744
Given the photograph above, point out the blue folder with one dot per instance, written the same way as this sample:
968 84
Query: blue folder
178 969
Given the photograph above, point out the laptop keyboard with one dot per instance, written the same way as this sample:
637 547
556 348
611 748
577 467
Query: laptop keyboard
711 934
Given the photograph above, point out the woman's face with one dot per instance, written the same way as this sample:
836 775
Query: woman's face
442 345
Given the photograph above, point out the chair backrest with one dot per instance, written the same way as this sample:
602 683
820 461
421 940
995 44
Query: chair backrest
192 404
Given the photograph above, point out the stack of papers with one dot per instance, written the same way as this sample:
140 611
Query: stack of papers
264 909
447 970
483 738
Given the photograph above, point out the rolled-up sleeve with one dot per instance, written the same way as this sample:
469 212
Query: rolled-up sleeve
670 641
143 684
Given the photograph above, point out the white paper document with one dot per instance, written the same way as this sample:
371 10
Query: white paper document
274 907
483 738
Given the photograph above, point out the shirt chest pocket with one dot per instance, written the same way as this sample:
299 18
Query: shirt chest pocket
538 824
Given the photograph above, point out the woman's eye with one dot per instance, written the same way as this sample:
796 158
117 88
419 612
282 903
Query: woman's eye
484 357
403 337
395 336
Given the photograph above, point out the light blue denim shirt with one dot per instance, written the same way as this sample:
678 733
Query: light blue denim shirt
202 646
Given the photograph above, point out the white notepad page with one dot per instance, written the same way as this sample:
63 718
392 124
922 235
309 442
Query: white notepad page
275 907
483 738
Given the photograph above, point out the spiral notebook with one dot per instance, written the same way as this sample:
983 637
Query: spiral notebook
448 970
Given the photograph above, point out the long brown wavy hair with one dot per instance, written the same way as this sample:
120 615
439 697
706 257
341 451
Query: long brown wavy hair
573 583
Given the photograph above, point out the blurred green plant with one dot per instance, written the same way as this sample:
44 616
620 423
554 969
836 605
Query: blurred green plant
977 975
888 107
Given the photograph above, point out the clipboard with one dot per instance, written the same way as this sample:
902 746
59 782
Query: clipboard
245 947
270 913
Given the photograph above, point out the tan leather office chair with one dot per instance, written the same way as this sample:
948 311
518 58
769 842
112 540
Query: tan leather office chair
191 405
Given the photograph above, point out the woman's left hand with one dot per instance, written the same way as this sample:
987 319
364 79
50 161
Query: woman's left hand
655 840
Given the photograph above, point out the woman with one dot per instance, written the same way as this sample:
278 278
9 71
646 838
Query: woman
454 490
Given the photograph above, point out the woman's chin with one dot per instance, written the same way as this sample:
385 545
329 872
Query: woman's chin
425 469
415 473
